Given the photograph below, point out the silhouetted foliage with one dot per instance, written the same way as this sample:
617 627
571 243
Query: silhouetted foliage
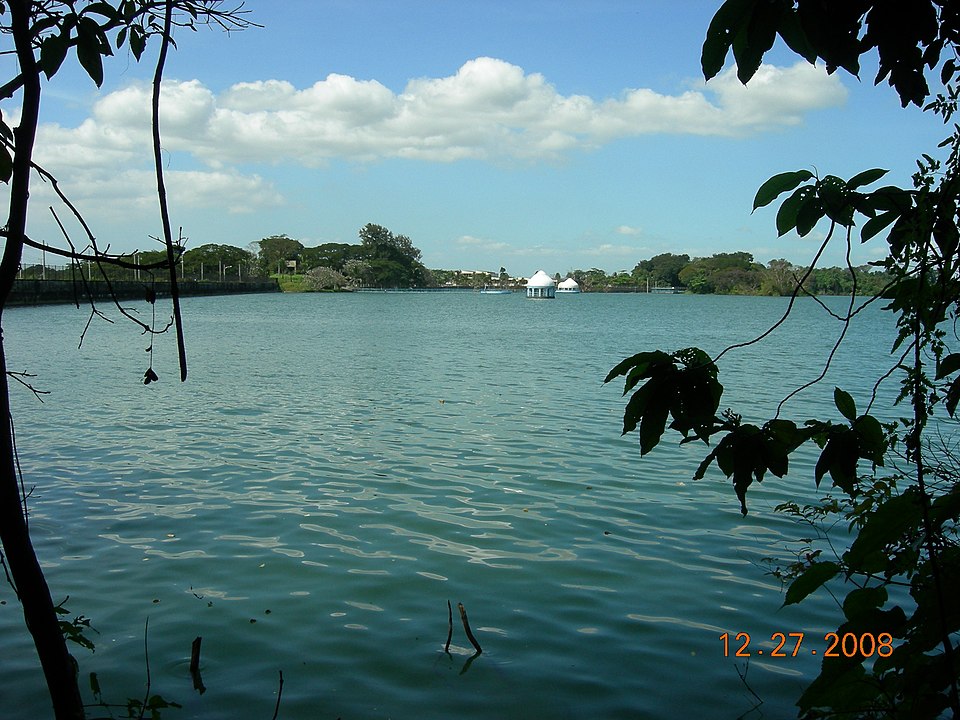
895 485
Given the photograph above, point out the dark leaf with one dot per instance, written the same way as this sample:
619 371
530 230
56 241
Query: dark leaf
872 443
948 365
861 604
865 178
808 215
890 197
811 579
790 208
88 52
794 36
750 43
845 404
838 458
887 524
636 407
102 8
953 397
138 42
654 422
878 224
640 360
52 54
731 19
6 164
779 184
946 508
839 681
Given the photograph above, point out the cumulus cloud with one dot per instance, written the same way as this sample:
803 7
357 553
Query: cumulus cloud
627 230
489 110
475 243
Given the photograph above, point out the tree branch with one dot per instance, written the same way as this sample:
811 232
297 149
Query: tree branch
161 188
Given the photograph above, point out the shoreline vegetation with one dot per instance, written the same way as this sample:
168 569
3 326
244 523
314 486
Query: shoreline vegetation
383 260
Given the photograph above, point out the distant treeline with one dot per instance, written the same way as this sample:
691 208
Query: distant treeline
733 274
383 259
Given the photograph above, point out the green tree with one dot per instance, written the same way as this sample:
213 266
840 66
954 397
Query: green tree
214 262
723 273
275 251
593 279
332 255
899 496
43 36
358 272
664 269
779 278
394 261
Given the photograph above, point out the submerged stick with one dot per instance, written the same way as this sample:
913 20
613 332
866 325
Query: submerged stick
446 648
195 666
466 627
195 654
276 710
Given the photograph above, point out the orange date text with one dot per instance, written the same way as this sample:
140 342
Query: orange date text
790 644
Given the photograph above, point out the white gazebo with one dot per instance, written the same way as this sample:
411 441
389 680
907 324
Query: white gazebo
541 285
568 286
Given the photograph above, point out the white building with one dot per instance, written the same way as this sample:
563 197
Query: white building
568 286
541 285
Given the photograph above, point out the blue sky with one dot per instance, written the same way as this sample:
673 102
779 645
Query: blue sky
519 134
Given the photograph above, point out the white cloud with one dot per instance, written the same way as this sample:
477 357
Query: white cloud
611 250
475 243
131 192
488 110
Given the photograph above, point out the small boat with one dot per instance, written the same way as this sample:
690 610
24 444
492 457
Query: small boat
494 291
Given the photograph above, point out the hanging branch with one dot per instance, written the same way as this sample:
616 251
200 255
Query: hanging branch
161 188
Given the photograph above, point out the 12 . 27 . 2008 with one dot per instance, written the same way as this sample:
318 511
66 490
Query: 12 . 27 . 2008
789 645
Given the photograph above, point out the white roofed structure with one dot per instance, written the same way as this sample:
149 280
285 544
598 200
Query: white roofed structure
568 286
541 285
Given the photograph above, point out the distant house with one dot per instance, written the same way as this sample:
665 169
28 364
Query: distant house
541 285
568 286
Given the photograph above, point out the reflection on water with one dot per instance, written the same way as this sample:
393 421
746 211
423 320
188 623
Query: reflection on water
338 467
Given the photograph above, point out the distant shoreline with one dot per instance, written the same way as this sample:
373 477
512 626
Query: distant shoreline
59 292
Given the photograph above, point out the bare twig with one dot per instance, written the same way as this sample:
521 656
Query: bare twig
793 299
146 659
276 709
743 679
466 628
19 377
836 346
446 648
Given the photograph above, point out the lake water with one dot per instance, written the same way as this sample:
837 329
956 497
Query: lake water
338 467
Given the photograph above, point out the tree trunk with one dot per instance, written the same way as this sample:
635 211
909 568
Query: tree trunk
38 609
